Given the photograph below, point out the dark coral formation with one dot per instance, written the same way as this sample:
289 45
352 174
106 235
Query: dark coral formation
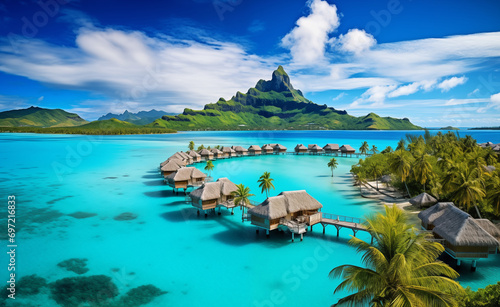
94 290
77 265
125 216
140 296
82 215
31 284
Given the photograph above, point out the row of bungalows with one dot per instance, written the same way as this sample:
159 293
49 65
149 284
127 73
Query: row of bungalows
328 149
463 237
294 210
185 177
212 194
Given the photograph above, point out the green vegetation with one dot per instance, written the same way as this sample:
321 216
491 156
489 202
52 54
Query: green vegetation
402 269
209 167
242 197
38 117
446 166
266 183
104 127
332 164
275 104
487 297
449 128
364 148
191 145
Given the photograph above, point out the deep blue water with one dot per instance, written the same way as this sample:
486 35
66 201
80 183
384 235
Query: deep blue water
218 261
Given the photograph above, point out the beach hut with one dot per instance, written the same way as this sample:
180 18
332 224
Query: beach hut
254 150
240 151
228 152
423 200
211 194
462 236
492 229
267 149
279 149
331 148
217 153
294 210
185 177
314 149
171 166
206 154
194 155
347 150
300 149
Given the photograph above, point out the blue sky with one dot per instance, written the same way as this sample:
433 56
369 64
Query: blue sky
435 62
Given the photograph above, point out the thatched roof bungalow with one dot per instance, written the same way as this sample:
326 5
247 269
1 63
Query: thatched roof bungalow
254 150
278 148
228 152
171 166
211 194
206 154
331 148
185 177
314 148
287 206
300 149
194 155
347 149
267 149
240 151
217 153
423 200
463 236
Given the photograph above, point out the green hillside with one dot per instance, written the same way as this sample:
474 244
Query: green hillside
275 104
39 117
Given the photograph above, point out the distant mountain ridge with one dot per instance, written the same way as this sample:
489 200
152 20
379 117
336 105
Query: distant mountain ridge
275 104
139 118
40 117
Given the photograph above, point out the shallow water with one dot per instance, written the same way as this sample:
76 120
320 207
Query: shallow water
217 261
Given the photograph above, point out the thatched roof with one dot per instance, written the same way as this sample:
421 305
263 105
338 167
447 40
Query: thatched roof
227 149
172 165
239 149
186 173
285 203
267 147
314 147
254 148
193 154
456 226
300 147
347 148
215 151
387 179
330 146
423 200
279 147
205 152
489 227
226 186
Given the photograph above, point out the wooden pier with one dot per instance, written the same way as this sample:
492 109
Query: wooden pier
340 221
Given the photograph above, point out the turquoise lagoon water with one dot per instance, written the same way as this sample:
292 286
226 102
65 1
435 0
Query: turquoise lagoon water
217 261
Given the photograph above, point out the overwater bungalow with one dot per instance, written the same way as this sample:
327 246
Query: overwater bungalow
206 154
314 149
194 155
240 151
331 148
185 177
171 166
254 150
347 150
279 149
267 149
212 194
294 210
228 152
217 153
300 149
462 235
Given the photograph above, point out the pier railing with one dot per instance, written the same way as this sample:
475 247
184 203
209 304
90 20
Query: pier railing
341 218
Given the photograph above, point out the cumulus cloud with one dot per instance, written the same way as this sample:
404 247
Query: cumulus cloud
412 88
356 41
307 41
374 97
452 82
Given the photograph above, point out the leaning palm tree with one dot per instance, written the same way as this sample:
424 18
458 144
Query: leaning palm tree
332 164
402 269
468 187
422 169
191 145
209 167
375 170
400 165
266 183
242 195
374 150
360 179
364 148
493 194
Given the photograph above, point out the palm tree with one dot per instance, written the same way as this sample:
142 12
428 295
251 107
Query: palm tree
422 169
374 149
468 187
209 167
332 164
200 147
493 194
191 145
375 170
360 180
400 165
242 195
266 183
401 145
401 267
364 148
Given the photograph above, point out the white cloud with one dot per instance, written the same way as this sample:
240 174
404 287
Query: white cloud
356 41
375 96
448 84
412 88
40 98
474 92
307 41
339 96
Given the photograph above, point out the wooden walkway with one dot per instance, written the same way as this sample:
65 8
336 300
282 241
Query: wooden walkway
340 221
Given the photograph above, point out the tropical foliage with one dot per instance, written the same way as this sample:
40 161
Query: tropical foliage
266 183
487 297
209 167
332 164
444 165
401 267
242 196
